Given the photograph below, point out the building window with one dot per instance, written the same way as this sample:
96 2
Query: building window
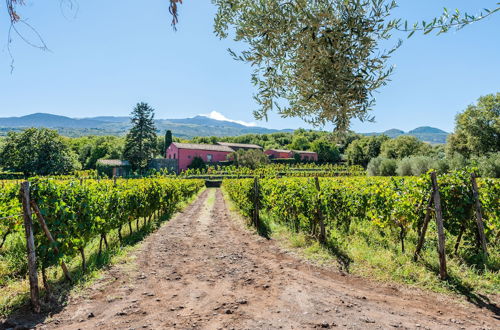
209 158
189 156
169 156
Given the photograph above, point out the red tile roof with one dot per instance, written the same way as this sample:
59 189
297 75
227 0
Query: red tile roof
199 146
240 145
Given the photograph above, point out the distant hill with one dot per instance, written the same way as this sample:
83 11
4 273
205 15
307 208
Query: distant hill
205 121
48 120
184 128
109 125
425 133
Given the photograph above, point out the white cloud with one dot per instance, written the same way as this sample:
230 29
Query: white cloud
219 116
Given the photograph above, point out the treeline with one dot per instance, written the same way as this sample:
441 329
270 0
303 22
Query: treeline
474 142
43 151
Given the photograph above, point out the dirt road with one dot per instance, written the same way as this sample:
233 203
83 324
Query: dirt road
204 270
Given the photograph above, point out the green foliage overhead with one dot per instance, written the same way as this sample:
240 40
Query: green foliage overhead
477 129
140 144
317 60
37 152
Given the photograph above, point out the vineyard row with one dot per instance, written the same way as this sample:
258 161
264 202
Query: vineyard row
69 214
395 206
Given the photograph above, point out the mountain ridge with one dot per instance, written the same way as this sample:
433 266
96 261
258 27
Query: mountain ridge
110 125
424 133
182 127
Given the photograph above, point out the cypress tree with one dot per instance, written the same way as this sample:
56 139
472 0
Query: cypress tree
140 144
168 141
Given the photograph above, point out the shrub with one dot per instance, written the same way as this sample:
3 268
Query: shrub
388 167
441 166
457 162
249 158
420 164
380 166
197 163
404 167
373 167
488 166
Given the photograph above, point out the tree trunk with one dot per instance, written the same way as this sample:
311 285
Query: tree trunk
130 226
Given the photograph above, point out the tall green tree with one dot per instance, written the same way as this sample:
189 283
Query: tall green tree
327 151
362 150
477 129
92 148
299 142
38 152
168 141
140 144
402 146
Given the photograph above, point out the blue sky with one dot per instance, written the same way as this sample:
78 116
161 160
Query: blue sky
111 56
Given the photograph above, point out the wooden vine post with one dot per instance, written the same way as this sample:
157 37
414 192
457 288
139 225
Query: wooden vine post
256 219
30 247
440 227
479 214
322 231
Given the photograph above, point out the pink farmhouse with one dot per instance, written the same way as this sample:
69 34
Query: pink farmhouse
186 152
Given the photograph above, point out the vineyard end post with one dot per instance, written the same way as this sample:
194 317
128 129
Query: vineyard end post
479 214
30 247
440 227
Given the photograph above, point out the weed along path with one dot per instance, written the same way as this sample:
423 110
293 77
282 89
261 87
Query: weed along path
204 270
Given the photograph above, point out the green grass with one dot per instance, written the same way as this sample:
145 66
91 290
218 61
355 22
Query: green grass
14 286
211 197
366 252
